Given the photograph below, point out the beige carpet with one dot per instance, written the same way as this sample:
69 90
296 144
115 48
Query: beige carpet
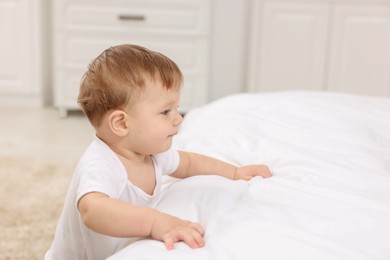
32 192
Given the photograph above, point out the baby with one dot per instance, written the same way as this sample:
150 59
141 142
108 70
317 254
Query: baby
131 95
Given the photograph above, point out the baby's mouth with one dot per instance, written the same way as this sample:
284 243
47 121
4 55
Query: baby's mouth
172 135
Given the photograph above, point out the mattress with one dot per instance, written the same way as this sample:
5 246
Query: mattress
329 197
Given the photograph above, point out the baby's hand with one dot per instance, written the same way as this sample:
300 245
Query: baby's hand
250 171
170 229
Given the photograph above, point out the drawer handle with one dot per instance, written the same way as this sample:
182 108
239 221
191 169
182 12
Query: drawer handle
131 17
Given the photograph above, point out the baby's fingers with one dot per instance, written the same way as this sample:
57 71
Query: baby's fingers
197 235
192 238
191 235
168 242
197 228
264 172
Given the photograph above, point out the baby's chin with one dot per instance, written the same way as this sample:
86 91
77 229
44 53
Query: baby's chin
165 147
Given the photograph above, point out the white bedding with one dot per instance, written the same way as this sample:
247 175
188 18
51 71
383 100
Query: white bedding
329 197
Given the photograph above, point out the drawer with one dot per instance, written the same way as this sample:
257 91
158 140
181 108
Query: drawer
82 29
149 16
77 50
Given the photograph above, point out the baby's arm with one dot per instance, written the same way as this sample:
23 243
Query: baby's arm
192 164
116 218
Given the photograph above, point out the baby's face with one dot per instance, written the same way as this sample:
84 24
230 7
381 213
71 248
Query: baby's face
154 119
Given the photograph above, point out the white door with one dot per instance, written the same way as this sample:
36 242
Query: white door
360 50
288 46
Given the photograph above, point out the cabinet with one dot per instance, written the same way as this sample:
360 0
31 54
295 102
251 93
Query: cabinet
178 28
20 51
320 45
360 56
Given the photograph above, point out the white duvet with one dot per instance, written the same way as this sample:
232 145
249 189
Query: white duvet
329 197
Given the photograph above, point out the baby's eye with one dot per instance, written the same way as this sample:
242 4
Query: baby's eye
166 112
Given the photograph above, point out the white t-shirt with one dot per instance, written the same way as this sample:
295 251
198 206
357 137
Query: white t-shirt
100 170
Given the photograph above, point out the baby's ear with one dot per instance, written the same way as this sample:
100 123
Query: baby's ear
117 122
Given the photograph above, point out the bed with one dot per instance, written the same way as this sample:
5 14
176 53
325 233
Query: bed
329 197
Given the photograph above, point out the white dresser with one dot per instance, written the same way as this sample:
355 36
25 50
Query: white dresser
82 29
21 52
330 45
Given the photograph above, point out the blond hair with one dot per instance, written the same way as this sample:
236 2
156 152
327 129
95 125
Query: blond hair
117 77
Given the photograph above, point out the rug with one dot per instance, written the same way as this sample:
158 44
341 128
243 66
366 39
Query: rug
32 193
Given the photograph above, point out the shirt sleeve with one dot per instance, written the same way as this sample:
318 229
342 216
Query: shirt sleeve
101 177
168 161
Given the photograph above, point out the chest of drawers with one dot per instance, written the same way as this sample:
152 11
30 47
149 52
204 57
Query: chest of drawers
179 29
